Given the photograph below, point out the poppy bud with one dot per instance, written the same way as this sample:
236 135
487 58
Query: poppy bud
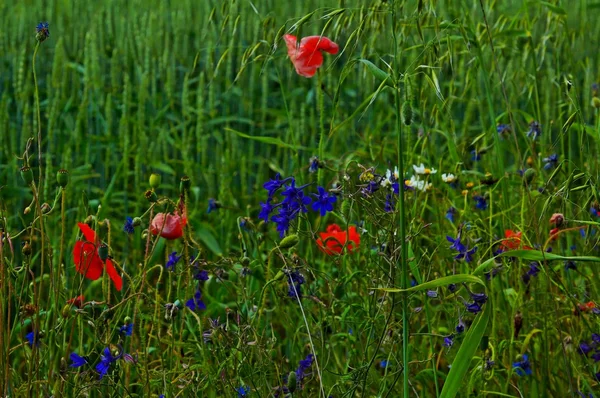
26 249
155 180
292 381
245 261
151 196
557 219
62 178
136 222
596 102
289 241
518 324
66 311
103 252
407 113
127 320
185 184
26 174
45 207
27 210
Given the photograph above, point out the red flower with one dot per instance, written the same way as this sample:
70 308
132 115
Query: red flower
169 226
307 56
554 233
88 261
76 301
512 241
333 240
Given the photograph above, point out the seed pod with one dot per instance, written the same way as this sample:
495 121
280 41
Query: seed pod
529 176
137 222
596 102
26 174
26 249
62 178
155 180
103 252
185 184
289 242
151 196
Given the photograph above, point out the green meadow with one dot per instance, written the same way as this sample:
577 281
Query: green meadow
399 200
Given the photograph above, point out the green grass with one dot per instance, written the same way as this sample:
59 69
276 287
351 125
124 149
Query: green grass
205 89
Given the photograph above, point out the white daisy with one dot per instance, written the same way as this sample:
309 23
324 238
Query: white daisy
424 170
448 177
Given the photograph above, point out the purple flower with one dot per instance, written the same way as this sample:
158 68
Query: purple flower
242 391
480 202
448 341
535 130
523 367
212 205
450 214
324 201
550 162
314 164
106 359
77 361
173 260
196 303
128 227
432 293
126 329
273 185
265 210
389 203
295 282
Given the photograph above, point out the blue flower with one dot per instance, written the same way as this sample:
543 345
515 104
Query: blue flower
479 298
550 162
303 366
126 329
212 205
383 364
196 302
450 214
201 275
481 203
295 195
295 282
43 31
265 210
535 130
448 341
584 348
77 361
502 129
128 227
34 338
314 164
460 327
324 201
475 156
452 287
523 367
463 251
534 268
473 308
570 265
173 260
242 391
456 243
432 294
389 203
273 185
106 359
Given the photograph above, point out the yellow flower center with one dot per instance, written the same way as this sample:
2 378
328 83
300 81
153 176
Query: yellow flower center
470 185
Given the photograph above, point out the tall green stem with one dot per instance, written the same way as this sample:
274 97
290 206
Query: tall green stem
403 265
321 109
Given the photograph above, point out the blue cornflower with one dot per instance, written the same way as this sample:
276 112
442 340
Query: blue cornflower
535 130
212 205
460 327
314 164
242 391
77 361
450 214
173 260
265 210
126 329
196 303
480 202
128 228
324 201
389 203
475 156
523 367
106 359
34 338
295 282
43 31
550 162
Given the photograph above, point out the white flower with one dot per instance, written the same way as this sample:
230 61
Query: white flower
448 177
424 170
390 178
421 185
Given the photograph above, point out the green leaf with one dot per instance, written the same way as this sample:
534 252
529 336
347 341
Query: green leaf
534 255
554 8
447 280
208 239
465 354
376 72
271 140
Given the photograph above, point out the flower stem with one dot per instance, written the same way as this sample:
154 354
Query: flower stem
321 109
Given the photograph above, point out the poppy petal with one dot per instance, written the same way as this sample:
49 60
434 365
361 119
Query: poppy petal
87 261
114 275
319 43
89 233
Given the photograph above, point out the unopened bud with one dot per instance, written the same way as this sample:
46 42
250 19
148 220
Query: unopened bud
103 252
62 178
26 249
289 242
26 174
185 184
596 102
155 180
45 207
151 196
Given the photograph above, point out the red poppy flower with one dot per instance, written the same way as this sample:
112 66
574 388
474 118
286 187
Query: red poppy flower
512 241
88 261
307 56
554 233
169 226
333 240
76 301
585 307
